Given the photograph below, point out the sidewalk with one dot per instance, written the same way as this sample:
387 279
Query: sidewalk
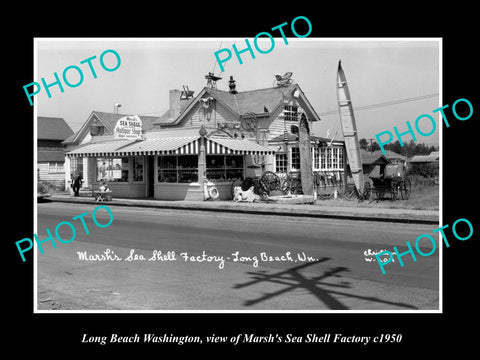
303 210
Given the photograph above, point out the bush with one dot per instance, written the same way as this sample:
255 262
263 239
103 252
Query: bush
426 170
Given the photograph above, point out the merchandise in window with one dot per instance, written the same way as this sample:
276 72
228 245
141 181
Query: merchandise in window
221 168
187 168
181 169
112 169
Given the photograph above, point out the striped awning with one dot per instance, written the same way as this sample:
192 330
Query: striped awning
189 145
164 146
235 146
98 149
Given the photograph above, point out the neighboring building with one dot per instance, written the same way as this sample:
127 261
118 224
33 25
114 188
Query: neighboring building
425 165
216 136
394 157
373 163
432 158
51 132
98 127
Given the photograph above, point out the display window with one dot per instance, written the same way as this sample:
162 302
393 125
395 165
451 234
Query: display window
112 169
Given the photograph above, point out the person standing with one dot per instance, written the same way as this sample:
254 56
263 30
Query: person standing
77 184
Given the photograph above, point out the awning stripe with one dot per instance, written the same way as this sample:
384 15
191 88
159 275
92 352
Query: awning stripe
235 146
171 146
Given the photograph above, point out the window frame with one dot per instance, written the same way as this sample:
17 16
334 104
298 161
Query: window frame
57 169
290 113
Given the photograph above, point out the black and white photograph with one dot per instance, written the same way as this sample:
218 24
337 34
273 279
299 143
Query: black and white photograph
216 178
243 181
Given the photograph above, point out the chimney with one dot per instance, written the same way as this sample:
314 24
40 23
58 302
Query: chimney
232 85
175 103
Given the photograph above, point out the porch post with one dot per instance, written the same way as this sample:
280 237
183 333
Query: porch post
202 160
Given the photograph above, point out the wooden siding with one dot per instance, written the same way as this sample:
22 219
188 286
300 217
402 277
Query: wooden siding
46 176
219 114
276 124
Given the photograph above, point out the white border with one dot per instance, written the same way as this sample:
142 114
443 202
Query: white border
439 311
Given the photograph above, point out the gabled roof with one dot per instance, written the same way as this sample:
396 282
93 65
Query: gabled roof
434 156
51 128
252 101
391 155
50 155
370 158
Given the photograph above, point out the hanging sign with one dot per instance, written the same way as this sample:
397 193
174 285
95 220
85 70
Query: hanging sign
128 127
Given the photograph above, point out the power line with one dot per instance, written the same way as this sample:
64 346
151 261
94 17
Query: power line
388 103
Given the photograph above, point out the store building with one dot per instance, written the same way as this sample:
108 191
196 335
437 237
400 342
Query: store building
214 137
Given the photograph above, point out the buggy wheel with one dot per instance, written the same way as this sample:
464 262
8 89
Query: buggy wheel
285 186
270 180
406 189
366 191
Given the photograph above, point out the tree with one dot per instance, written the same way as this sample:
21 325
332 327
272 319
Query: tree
374 146
363 144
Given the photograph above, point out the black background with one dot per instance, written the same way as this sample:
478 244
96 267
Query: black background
59 335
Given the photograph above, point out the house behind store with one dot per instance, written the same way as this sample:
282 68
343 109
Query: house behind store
51 132
215 136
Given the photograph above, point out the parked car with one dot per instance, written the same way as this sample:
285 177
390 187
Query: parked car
42 191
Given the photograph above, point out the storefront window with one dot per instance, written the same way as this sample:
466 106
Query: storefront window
340 158
322 158
316 158
112 169
335 158
167 169
187 168
222 168
329 158
281 163
181 169
295 159
138 168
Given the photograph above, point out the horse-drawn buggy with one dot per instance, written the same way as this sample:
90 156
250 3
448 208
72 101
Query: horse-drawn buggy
393 184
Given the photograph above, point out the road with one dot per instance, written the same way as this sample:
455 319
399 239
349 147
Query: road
250 262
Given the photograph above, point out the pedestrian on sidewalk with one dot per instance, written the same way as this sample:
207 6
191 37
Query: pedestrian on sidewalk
77 183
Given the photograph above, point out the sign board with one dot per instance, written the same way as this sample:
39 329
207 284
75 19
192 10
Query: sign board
128 127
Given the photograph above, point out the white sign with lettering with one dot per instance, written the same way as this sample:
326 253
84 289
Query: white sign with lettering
128 127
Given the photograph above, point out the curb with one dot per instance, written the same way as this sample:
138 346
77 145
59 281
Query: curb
238 208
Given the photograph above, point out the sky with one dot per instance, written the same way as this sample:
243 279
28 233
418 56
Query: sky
377 71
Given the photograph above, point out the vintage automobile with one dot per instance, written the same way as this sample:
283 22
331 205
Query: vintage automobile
42 191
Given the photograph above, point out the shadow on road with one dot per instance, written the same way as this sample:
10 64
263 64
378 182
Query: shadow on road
325 292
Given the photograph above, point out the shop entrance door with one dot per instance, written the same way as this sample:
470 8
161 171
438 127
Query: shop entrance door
151 175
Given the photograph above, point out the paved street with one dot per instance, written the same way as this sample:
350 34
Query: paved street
316 264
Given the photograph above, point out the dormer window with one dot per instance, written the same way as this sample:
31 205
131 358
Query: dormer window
97 130
290 113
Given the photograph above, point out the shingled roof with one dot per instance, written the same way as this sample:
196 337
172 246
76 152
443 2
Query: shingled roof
252 101
52 128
